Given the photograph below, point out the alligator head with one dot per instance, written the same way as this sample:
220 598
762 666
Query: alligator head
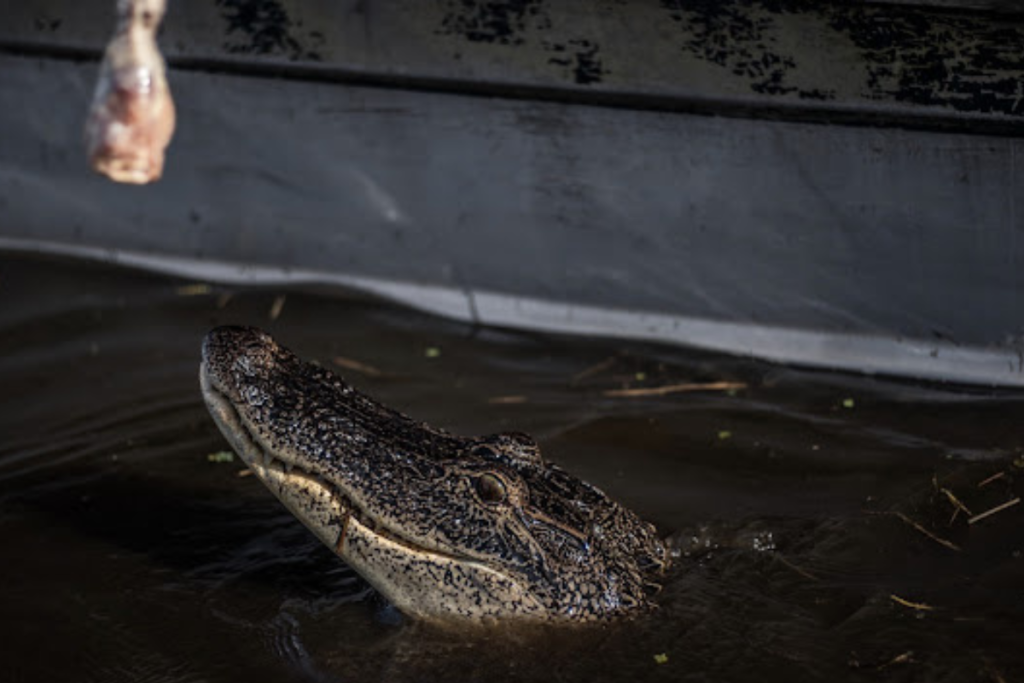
445 527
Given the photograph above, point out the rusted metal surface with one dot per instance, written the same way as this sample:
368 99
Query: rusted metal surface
898 63
1000 6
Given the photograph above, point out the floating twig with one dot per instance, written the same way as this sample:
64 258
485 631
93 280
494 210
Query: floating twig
905 658
243 473
506 400
996 509
277 307
919 606
957 505
674 389
356 366
938 539
593 369
994 477
799 570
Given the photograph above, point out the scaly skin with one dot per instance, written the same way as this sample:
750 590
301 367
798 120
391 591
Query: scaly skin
447 528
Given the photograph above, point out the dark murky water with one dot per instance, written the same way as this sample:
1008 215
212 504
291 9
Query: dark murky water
130 555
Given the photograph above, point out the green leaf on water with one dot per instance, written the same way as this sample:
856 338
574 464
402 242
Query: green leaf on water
724 434
194 289
661 658
221 456
848 403
432 352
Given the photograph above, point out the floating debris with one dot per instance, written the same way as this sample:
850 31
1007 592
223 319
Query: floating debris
724 434
220 456
905 658
277 307
356 366
661 658
223 299
958 507
432 352
674 389
848 403
507 400
243 473
194 289
938 539
593 369
919 606
995 477
997 509
640 376
798 569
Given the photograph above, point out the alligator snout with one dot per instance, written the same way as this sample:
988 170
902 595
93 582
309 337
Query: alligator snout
444 526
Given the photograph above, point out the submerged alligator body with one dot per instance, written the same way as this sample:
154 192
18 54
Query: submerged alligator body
445 527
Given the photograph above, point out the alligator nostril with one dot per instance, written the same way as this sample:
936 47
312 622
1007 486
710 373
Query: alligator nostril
484 452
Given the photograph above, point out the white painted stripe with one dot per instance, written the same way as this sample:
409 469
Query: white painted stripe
915 358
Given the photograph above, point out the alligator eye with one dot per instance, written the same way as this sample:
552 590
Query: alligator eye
490 488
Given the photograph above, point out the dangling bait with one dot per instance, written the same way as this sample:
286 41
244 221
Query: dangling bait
131 119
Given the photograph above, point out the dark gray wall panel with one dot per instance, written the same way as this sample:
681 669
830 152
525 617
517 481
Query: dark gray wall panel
890 63
839 229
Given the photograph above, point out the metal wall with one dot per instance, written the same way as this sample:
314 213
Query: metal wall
866 245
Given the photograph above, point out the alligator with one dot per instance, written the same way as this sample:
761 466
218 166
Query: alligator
446 528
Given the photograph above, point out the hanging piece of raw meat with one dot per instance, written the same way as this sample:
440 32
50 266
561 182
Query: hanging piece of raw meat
131 119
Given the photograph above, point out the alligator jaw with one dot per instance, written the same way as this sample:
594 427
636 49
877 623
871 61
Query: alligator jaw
322 508
407 574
